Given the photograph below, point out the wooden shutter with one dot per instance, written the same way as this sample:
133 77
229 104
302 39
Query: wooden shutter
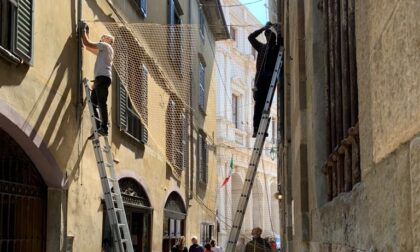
171 12
122 100
144 99
22 40
184 140
202 79
200 158
205 160
143 7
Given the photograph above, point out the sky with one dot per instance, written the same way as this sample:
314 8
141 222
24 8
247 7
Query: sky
258 9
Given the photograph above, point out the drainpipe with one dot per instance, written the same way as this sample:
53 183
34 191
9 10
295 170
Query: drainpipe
79 88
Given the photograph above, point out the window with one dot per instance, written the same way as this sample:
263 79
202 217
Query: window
177 134
16 28
202 87
343 166
202 23
206 233
232 33
202 158
128 119
143 7
235 119
174 40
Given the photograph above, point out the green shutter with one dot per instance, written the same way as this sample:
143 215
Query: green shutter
205 160
22 45
122 106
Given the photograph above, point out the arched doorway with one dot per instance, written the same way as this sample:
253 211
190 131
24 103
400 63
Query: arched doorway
139 216
173 221
23 200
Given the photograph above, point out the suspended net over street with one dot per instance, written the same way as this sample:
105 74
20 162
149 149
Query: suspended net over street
157 66
158 73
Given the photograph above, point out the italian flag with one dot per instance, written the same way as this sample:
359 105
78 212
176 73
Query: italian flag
226 180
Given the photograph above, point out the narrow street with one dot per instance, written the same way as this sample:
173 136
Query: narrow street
209 125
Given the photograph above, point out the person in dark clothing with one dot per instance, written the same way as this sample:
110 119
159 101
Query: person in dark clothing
207 247
195 247
180 245
257 244
266 61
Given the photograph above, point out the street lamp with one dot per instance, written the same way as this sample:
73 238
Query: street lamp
273 153
278 195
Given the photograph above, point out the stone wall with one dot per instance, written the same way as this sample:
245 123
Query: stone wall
380 213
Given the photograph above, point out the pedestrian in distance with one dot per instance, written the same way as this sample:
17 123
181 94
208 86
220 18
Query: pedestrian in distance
257 244
266 61
215 248
180 245
103 75
195 247
207 247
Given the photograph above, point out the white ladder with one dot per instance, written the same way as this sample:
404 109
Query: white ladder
255 158
111 189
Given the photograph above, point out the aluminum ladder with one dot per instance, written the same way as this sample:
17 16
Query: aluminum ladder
255 158
111 189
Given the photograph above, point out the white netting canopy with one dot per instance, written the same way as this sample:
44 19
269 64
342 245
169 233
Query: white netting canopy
157 66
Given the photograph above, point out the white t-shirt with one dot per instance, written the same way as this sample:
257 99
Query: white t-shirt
216 249
103 64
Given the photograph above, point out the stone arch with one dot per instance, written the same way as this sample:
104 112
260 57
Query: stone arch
33 146
23 199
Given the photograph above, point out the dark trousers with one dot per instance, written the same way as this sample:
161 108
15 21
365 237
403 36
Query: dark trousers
260 96
99 97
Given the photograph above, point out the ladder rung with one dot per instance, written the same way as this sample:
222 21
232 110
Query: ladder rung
96 118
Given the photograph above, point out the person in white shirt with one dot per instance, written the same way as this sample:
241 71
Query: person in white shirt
215 248
103 75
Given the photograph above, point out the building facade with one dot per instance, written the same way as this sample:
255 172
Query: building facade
349 126
51 198
236 61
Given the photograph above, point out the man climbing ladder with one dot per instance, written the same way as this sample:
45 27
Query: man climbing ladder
96 99
103 75
266 60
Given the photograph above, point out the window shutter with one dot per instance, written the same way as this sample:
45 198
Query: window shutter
171 14
144 93
184 139
22 41
200 158
201 23
202 86
122 106
144 137
143 7
205 160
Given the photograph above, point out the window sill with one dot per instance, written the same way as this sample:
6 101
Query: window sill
10 57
